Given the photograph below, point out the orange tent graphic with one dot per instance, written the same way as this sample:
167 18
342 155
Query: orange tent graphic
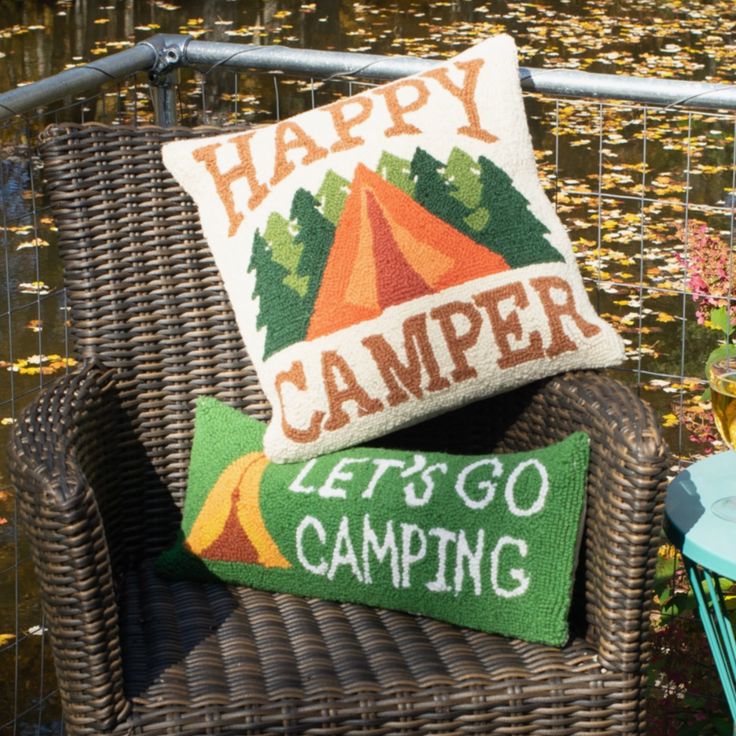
229 526
387 250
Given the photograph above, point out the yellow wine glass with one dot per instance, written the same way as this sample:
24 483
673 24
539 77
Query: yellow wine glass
722 379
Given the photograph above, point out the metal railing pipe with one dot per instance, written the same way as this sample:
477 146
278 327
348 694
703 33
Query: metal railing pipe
645 90
77 81
168 52
206 55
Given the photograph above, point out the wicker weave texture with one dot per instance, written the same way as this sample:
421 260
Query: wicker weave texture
100 461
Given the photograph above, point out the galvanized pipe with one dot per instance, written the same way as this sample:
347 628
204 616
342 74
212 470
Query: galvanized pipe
163 93
671 93
77 81
176 51
206 55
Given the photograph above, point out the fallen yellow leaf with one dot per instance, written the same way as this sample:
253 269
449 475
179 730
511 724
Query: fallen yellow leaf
35 243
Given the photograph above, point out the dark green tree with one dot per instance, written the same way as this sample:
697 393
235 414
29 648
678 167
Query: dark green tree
434 192
511 230
316 235
280 308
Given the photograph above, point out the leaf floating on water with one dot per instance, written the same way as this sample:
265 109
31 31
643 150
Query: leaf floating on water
34 287
35 243
670 420
35 364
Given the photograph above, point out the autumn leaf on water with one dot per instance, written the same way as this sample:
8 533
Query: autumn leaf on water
670 420
35 364
35 243
34 287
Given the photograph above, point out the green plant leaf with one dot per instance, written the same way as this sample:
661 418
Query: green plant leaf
679 604
664 571
720 320
722 351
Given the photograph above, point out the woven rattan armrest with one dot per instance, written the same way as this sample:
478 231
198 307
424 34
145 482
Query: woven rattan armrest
69 426
626 480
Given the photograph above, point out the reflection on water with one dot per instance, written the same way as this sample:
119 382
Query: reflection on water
644 202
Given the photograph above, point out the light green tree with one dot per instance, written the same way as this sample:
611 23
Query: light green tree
285 251
332 195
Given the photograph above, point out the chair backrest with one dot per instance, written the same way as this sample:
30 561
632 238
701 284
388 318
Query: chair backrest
146 297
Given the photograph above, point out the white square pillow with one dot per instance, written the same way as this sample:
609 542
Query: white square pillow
392 255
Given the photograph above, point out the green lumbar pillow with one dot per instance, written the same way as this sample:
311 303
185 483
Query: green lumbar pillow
484 541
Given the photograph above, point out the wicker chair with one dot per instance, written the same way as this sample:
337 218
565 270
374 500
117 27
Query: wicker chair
100 461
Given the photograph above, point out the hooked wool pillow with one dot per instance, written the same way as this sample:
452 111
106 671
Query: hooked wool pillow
484 541
392 255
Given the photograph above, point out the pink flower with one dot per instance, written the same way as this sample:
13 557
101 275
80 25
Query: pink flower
708 264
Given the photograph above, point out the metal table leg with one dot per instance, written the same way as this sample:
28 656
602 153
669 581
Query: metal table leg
717 625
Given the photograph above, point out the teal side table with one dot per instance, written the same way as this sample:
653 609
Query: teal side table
708 546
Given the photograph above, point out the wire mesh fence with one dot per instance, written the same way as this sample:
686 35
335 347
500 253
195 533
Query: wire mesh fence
35 347
647 193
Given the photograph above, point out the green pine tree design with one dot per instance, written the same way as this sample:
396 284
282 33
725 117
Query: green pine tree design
512 230
280 308
434 192
285 251
485 206
396 171
463 172
332 195
316 235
